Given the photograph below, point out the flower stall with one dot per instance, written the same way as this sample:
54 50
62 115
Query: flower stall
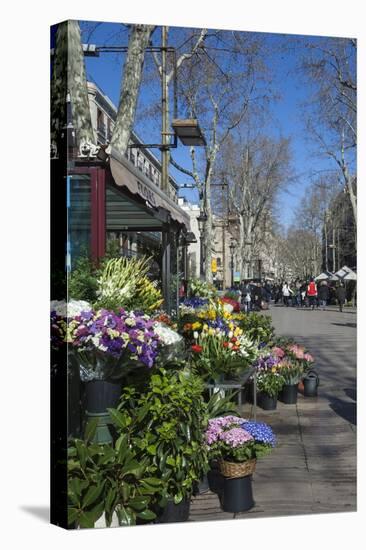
148 414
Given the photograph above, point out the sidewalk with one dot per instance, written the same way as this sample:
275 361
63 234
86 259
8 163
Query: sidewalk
313 467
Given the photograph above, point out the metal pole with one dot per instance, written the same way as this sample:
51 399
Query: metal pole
232 270
326 241
166 271
333 247
201 256
164 114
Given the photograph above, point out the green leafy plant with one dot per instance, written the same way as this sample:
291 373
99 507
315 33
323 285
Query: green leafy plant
292 372
257 327
221 406
109 479
82 281
167 422
270 382
199 288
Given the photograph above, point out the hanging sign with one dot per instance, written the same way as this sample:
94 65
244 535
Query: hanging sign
214 265
237 277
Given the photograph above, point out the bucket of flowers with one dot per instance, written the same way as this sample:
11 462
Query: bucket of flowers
219 353
236 443
292 373
105 347
269 380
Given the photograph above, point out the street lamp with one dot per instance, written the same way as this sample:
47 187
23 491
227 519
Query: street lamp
232 250
202 219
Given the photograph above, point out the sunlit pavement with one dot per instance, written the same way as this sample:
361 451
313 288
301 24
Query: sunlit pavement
313 468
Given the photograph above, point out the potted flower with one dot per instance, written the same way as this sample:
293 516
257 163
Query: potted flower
292 373
105 347
236 444
269 381
221 352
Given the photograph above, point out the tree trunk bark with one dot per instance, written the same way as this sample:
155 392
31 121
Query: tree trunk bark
132 74
77 85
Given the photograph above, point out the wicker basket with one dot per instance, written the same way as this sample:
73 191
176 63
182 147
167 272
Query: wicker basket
237 469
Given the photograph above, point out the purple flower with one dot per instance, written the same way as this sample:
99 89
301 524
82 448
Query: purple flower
235 437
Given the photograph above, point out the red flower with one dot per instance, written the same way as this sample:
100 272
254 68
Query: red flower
235 348
233 340
196 348
225 344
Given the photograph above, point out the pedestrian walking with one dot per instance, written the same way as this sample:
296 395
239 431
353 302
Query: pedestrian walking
341 295
302 294
286 293
323 294
246 297
312 293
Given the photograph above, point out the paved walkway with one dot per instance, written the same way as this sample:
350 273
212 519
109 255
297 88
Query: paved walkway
313 468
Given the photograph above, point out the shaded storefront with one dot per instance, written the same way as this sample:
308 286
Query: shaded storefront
113 202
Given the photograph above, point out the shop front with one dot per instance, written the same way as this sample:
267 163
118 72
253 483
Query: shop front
113 203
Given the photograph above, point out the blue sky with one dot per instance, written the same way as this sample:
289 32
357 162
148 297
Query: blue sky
286 119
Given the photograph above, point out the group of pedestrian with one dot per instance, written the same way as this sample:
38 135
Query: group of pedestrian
309 294
254 295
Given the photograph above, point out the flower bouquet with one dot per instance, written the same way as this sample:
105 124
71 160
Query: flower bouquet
219 352
269 380
237 443
104 344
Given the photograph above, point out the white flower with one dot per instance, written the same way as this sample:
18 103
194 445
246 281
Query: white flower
231 334
195 335
69 309
166 334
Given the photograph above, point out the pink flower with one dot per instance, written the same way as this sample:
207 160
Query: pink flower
236 437
308 357
278 352
297 350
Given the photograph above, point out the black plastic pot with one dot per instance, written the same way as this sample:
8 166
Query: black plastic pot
173 513
311 383
237 495
101 395
289 394
250 391
266 402
215 481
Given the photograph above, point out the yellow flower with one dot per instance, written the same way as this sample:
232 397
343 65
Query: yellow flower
196 325
211 331
205 327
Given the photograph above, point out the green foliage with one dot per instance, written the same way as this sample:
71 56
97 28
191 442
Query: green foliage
291 372
270 383
167 422
82 281
232 294
109 479
221 406
199 288
258 327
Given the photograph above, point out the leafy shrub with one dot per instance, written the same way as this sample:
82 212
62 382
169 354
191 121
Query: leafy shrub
257 327
109 479
167 422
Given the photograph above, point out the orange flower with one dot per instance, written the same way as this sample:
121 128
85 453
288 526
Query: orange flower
187 326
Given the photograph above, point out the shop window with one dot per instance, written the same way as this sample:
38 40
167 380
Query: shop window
79 218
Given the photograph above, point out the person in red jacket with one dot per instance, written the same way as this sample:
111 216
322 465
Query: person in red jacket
312 293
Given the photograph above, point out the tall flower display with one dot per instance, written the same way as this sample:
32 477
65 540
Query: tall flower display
105 344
